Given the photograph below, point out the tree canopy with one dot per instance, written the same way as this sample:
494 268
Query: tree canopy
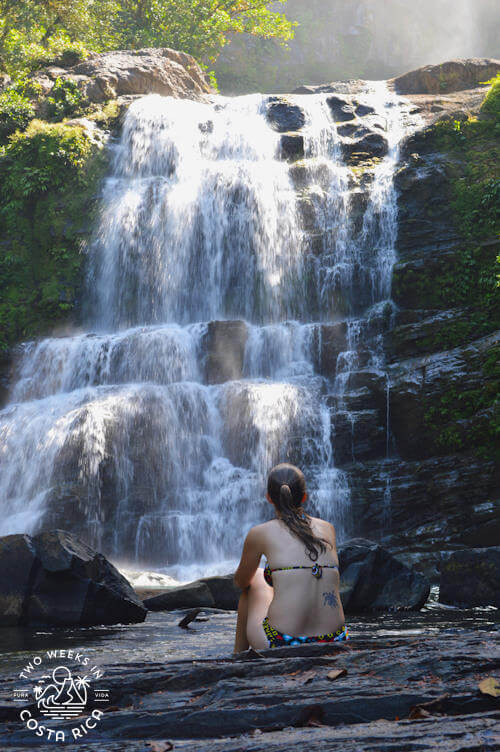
33 32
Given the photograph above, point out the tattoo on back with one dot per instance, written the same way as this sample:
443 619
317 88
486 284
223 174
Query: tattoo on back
330 599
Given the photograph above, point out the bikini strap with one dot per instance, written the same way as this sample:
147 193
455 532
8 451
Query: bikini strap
316 570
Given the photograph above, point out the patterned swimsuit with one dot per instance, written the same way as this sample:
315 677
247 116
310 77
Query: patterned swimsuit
277 638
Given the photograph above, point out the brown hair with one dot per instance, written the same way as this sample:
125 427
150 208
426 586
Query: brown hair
286 487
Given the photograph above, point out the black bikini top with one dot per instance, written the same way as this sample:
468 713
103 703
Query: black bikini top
316 570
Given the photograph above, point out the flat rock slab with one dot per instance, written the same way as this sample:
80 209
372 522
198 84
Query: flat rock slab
284 699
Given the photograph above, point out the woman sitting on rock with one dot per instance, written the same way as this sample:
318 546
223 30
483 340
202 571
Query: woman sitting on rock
291 601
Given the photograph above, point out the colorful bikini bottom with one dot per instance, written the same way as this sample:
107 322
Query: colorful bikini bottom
277 639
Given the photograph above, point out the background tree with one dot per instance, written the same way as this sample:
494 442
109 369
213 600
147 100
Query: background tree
35 32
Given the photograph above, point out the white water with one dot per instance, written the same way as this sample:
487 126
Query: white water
113 433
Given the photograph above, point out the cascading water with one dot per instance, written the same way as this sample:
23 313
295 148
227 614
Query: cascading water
120 434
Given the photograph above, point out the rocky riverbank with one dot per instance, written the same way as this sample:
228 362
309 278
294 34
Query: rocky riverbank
407 682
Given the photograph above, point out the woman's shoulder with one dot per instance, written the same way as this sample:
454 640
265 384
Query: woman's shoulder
323 525
262 530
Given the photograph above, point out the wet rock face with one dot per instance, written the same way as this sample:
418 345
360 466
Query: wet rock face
341 109
471 577
420 384
225 350
54 579
284 116
440 503
371 144
453 75
292 147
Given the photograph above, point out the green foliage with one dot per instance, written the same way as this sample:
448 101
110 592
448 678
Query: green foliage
16 111
64 100
34 33
491 104
48 180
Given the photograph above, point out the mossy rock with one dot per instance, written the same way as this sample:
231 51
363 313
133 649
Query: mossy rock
49 181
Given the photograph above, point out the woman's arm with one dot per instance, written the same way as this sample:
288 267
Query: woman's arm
250 558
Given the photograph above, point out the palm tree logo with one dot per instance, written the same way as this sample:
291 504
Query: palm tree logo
64 696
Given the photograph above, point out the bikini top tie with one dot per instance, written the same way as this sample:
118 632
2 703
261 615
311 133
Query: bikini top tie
316 571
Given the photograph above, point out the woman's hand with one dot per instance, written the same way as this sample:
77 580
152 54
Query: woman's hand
250 558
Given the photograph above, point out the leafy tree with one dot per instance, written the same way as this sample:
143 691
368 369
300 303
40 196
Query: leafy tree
36 32
200 27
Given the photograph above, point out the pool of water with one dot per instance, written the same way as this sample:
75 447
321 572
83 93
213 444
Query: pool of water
159 638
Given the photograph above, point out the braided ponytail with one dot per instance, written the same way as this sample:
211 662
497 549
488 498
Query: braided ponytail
286 487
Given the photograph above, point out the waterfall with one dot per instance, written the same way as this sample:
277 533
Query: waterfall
218 276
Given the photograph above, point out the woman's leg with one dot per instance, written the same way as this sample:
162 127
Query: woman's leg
240 640
252 608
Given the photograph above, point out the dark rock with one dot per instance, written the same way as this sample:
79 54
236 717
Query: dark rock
357 436
224 592
422 507
18 561
284 116
190 616
419 384
372 579
373 144
364 109
224 345
332 340
292 146
348 129
471 577
310 171
54 579
341 109
184 596
453 75
214 592
5 375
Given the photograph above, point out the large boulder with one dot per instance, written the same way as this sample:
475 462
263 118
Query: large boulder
454 75
210 592
372 579
109 75
471 577
54 579
224 592
193 595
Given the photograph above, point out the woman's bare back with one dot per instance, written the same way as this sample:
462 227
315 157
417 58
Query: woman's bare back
302 604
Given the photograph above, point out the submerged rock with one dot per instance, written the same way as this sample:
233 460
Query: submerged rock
292 146
284 116
54 579
471 577
224 345
341 109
